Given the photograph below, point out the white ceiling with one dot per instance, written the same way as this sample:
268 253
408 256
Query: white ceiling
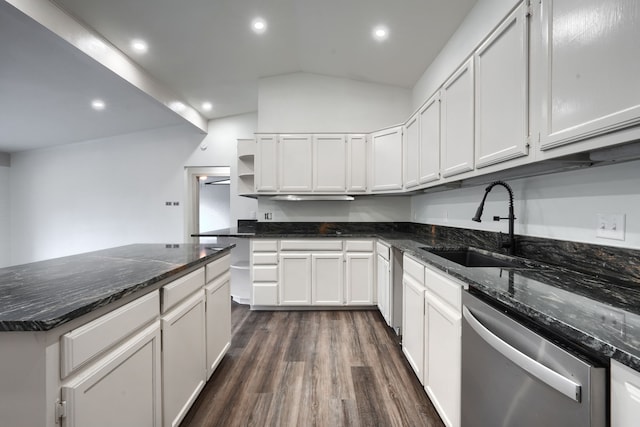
205 50
202 50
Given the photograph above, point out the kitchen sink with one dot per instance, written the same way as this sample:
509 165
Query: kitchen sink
470 257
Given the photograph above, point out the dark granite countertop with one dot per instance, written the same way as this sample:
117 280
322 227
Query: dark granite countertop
42 295
585 309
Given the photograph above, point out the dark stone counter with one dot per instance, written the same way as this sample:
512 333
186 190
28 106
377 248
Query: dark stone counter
42 295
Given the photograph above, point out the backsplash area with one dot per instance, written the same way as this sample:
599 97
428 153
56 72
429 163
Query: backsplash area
617 264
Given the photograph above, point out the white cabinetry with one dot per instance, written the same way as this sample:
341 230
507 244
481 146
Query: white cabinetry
501 92
413 315
295 278
625 395
246 166
330 163
359 280
590 65
184 368
412 151
443 345
266 163
383 279
357 163
218 311
429 116
386 159
294 163
264 272
327 278
457 115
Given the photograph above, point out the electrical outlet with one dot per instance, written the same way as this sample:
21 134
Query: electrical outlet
610 226
613 320
268 216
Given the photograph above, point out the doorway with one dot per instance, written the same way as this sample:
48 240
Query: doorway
208 204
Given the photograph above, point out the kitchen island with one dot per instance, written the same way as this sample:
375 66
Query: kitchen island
83 332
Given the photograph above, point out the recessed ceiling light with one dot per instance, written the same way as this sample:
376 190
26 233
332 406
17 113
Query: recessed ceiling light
98 104
259 25
139 45
207 106
380 33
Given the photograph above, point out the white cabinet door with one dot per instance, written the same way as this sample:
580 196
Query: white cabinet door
386 159
501 73
295 279
625 395
591 63
120 389
218 327
383 283
295 163
457 115
266 163
442 358
359 278
411 151
357 163
183 357
327 282
430 140
330 163
413 324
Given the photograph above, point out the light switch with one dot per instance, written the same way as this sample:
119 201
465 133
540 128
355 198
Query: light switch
610 226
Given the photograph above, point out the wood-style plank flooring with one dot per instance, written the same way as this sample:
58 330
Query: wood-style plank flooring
312 368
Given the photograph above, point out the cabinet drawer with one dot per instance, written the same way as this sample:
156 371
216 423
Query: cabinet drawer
181 288
382 250
264 245
84 343
444 287
414 269
265 273
359 245
327 244
218 267
265 294
265 258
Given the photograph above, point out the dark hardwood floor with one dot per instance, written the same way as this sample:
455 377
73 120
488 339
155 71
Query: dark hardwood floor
312 368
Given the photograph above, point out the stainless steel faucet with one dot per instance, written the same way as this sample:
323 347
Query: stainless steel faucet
511 243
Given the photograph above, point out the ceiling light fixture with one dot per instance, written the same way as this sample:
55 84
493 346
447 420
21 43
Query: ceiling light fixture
139 45
207 106
98 104
259 25
380 33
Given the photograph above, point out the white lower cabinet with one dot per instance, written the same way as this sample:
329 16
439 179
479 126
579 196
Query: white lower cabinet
625 395
413 316
120 389
183 357
359 278
327 278
295 278
443 346
218 324
383 279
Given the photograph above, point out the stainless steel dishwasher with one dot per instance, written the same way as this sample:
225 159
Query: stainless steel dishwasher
511 376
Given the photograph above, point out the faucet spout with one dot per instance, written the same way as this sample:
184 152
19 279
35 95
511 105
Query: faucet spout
511 243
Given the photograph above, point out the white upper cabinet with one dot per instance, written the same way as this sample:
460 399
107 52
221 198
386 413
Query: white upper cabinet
330 163
501 92
590 63
266 163
386 159
412 151
457 117
429 116
295 163
357 163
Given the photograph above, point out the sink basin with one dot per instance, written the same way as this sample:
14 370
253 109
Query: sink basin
470 257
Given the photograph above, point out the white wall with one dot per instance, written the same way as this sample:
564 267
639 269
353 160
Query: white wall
477 25
362 209
5 237
303 102
222 150
559 206
214 207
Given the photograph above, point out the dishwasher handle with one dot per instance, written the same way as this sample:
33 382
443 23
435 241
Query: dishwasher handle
550 377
